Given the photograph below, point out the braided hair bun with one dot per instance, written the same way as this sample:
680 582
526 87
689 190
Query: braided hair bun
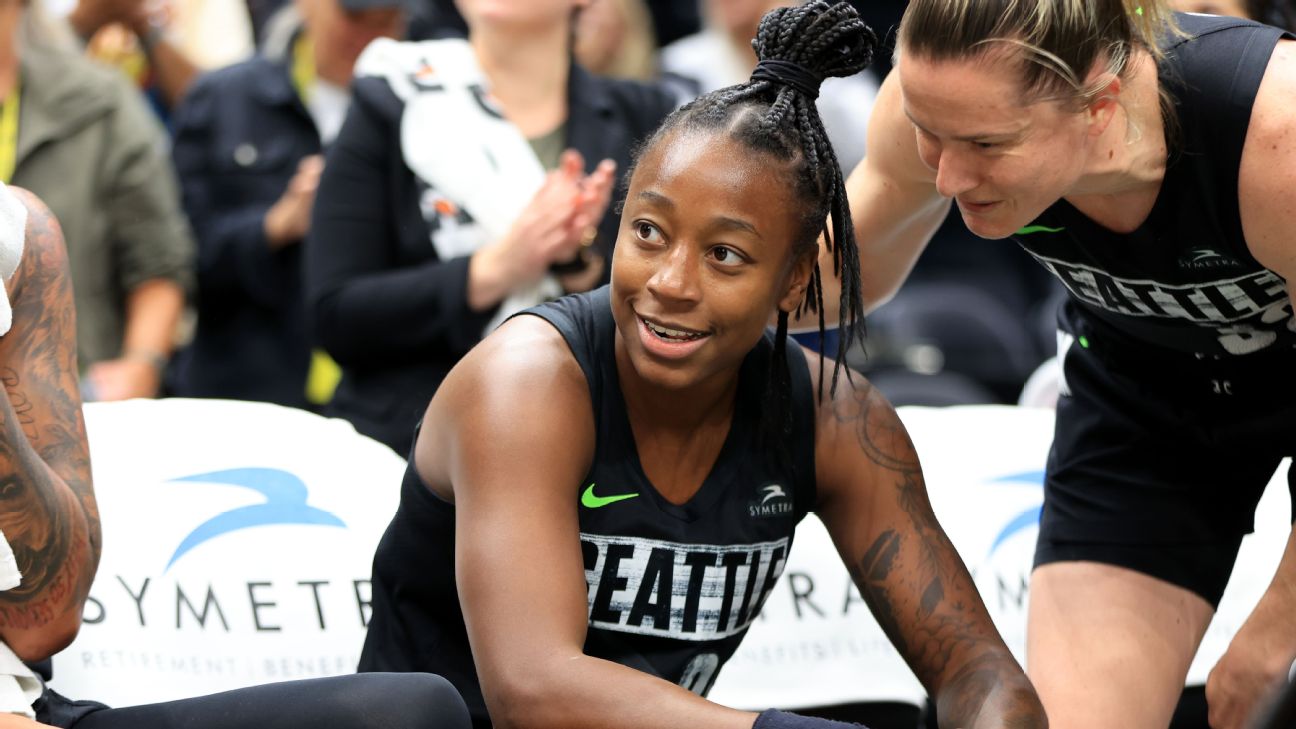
819 39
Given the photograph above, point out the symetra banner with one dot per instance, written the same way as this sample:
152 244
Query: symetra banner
238 541
816 643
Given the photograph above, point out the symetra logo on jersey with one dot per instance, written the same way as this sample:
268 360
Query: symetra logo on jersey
682 591
771 500
1199 259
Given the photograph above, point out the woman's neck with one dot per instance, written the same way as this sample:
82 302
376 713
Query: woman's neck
1127 165
684 410
528 76
678 434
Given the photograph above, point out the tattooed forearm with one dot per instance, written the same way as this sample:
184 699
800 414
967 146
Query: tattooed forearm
991 684
22 407
911 576
871 574
47 508
875 504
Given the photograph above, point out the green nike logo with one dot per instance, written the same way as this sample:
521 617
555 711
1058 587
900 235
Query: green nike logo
590 501
1039 229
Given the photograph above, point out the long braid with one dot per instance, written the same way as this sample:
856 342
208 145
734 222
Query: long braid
780 119
822 37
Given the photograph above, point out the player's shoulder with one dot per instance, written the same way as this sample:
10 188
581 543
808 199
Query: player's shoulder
524 365
853 418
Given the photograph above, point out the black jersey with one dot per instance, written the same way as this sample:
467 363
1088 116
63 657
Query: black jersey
1184 280
672 588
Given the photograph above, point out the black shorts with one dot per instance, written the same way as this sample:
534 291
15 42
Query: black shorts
1159 458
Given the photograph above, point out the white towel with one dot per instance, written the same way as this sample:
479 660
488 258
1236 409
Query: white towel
19 687
10 577
462 148
13 229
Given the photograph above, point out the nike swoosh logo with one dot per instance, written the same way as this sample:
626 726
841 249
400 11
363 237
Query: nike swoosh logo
1039 229
590 501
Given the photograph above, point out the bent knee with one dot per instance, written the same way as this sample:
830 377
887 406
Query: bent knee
409 700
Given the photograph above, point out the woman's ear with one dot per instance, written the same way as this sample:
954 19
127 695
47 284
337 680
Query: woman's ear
1102 109
799 279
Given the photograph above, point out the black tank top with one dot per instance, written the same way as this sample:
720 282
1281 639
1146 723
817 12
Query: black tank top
672 588
1185 279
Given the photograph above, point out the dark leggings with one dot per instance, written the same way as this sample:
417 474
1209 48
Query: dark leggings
361 701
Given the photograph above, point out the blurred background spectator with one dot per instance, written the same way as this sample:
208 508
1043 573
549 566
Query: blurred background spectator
616 38
162 45
79 136
674 19
247 148
435 216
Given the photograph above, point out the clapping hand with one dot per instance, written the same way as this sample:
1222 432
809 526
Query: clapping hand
561 219
288 220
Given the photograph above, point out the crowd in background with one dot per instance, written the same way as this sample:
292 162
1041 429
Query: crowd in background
183 145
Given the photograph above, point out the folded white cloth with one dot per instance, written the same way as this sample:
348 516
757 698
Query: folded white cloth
463 148
13 228
19 687
10 577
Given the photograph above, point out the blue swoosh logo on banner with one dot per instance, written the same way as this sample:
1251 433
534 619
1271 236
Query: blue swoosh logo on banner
285 504
1024 520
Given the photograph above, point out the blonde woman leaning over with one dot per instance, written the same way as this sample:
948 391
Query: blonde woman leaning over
1148 160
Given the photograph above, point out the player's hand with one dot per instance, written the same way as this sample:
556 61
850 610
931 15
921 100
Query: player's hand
1255 665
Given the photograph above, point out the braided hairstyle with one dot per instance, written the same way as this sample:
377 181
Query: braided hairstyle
774 114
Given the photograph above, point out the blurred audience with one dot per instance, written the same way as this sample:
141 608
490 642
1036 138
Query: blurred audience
438 19
436 217
87 144
260 13
674 19
615 38
164 44
721 55
247 148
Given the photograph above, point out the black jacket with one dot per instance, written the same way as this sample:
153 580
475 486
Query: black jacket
392 314
239 135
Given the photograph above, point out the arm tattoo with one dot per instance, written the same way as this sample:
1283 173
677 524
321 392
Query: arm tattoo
912 578
47 507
